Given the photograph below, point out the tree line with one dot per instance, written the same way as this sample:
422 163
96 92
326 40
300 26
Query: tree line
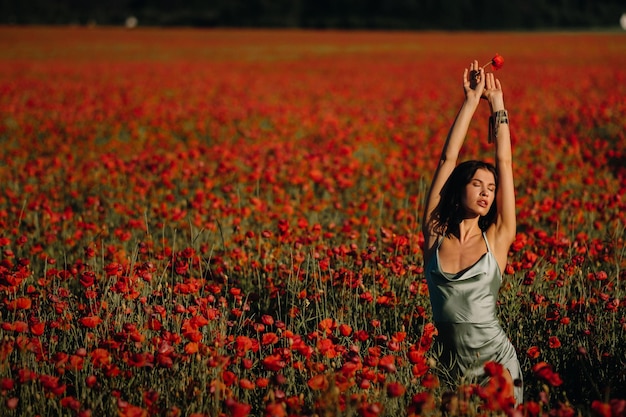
340 14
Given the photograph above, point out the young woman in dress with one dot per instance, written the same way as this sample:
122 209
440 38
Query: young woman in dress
469 224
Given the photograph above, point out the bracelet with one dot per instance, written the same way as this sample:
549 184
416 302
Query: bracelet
497 118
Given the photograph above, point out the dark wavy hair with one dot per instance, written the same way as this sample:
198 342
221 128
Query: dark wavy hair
449 212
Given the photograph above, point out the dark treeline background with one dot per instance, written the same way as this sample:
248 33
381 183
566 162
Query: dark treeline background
342 14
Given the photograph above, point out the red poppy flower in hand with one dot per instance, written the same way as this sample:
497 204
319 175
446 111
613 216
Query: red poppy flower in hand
496 62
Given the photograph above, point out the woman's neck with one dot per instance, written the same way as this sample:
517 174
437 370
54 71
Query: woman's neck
467 229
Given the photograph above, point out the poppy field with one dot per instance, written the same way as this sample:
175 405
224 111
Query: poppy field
227 222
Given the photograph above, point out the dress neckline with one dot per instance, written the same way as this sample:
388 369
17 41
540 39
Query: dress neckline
456 275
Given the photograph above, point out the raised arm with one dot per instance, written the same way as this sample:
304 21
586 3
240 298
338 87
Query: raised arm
505 225
473 87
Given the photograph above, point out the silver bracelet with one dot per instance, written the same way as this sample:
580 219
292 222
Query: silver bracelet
497 118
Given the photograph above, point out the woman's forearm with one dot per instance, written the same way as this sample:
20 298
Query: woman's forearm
458 131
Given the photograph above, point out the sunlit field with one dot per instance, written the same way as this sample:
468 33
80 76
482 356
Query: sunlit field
227 223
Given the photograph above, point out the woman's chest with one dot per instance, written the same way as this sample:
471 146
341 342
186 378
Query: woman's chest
455 257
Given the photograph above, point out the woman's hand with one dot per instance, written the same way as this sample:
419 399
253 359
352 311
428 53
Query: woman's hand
474 81
493 92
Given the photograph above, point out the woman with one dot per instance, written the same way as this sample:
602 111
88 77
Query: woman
469 224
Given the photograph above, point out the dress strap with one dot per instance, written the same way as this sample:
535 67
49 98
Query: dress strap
486 242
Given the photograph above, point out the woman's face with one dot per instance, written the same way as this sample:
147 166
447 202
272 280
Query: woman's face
479 193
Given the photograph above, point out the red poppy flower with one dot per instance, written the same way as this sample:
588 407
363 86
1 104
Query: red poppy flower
191 348
601 409
327 348
274 363
420 368
7 384
25 375
17 326
543 370
100 357
245 383
533 352
415 355
395 389
229 378
113 269
367 297
87 279
301 347
349 369
361 335
91 381
11 403
388 363
493 368
421 403
275 410
164 361
238 409
262 382
554 342
345 330
430 381
193 335
48 381
269 338
497 62
247 363
242 345
318 382
132 411
20 303
38 328
327 325
316 175
370 410
75 363
139 360
430 331
90 321
70 402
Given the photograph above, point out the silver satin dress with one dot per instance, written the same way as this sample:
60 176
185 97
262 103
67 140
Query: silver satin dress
464 311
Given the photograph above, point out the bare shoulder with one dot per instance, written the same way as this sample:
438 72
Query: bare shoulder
499 240
499 244
430 245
